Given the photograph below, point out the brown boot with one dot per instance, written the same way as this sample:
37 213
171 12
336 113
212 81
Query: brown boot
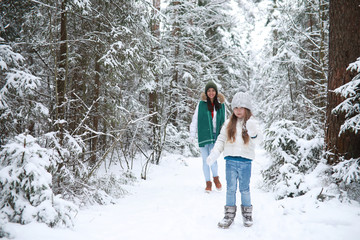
217 183
208 186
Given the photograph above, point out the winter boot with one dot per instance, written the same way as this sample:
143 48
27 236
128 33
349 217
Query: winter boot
230 213
208 186
217 183
247 215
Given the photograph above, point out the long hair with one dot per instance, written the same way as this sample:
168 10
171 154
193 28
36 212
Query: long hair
231 127
217 105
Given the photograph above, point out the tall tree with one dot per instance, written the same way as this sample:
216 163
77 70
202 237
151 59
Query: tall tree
154 107
344 48
293 79
61 78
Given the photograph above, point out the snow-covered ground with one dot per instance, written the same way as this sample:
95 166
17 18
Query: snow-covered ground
172 204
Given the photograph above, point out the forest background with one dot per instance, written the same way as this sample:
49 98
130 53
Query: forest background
90 83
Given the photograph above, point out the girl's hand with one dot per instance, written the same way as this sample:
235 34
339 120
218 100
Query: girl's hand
251 126
212 157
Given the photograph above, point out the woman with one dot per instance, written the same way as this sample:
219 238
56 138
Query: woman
206 123
237 140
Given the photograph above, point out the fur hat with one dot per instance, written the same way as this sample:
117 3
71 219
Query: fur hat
210 85
242 99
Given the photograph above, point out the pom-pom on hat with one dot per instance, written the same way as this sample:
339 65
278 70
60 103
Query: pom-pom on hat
242 99
211 85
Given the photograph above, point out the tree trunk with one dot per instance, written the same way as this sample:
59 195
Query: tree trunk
61 78
175 75
155 30
94 141
344 48
153 95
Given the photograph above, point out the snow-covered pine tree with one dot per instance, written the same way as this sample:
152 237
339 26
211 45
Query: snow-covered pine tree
183 72
292 97
351 105
135 60
87 96
20 109
342 136
224 43
238 43
343 50
52 56
26 180
294 153
347 171
25 185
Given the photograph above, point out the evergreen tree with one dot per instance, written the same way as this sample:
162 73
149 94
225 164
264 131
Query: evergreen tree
20 108
344 49
293 80
342 113
25 185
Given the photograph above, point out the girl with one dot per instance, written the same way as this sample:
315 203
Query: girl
237 139
206 123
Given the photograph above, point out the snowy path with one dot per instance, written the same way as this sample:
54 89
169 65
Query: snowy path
172 204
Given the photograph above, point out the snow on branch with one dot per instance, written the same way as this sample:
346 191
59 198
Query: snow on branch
20 80
351 105
347 171
8 57
355 66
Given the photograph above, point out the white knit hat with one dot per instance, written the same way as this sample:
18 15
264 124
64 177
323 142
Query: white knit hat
242 99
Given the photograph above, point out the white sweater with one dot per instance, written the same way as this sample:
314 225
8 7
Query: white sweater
237 148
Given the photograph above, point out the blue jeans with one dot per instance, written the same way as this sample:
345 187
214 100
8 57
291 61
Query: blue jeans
205 152
238 171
